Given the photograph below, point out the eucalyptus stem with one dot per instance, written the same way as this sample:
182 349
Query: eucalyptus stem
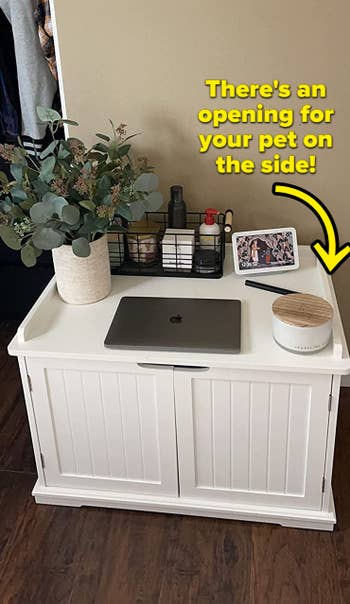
67 196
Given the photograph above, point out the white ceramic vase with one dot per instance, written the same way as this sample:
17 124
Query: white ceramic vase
83 280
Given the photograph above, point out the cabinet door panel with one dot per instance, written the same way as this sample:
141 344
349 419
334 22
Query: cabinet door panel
252 437
106 427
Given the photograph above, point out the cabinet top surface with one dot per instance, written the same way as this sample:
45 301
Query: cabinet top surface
58 330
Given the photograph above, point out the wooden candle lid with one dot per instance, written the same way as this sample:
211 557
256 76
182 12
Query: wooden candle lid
302 310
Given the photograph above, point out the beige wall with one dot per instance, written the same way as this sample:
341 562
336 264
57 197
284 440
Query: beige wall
144 63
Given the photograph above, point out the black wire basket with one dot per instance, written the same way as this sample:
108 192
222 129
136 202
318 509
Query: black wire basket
148 250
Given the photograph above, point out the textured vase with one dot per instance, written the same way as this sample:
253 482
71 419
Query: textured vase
83 280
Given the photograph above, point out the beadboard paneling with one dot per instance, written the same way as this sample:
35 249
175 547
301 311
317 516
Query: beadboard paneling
108 427
245 438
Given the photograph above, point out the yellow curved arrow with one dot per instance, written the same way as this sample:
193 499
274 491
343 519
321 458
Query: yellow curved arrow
330 254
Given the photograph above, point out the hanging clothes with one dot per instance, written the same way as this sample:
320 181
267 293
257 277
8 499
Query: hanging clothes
10 108
37 86
43 20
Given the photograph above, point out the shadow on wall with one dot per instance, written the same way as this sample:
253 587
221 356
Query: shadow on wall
179 162
341 279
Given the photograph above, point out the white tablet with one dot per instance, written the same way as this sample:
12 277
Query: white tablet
265 251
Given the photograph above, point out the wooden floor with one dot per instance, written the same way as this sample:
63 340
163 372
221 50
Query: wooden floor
75 556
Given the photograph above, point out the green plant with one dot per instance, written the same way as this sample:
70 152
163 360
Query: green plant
69 194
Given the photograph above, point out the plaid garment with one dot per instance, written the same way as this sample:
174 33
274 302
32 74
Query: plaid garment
42 17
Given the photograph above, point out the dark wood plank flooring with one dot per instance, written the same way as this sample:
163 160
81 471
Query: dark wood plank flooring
96 556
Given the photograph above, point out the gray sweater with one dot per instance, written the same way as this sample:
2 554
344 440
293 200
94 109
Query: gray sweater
36 84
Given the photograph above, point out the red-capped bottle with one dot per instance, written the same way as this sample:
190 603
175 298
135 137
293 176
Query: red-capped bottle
209 231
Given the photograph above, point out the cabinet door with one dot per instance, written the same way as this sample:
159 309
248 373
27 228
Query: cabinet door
106 426
251 437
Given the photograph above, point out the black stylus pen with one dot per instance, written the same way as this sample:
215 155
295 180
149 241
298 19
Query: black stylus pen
270 288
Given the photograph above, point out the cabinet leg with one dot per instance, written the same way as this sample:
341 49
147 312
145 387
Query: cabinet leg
310 525
41 499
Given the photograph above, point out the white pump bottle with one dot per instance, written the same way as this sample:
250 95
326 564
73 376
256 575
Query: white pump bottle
209 231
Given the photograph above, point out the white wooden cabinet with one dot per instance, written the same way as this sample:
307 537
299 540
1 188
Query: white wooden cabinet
248 436
106 427
251 437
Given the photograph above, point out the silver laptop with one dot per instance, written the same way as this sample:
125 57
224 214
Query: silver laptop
176 324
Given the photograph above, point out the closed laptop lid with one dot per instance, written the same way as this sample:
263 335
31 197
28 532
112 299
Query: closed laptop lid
176 324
